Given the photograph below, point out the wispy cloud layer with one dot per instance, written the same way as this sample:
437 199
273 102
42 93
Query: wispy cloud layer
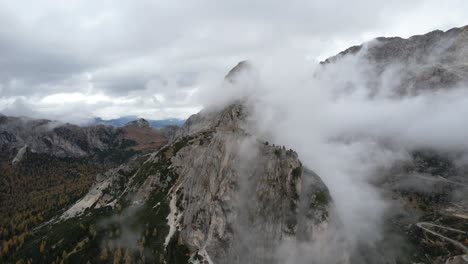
149 58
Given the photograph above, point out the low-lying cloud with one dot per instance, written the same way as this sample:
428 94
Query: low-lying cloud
344 133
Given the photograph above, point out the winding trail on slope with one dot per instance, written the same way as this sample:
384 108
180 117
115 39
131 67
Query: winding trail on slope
425 226
440 179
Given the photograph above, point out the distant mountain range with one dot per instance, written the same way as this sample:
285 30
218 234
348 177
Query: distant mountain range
121 121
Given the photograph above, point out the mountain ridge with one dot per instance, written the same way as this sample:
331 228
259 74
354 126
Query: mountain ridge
211 146
156 123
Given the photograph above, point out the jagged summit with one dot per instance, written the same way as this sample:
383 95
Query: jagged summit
241 67
408 67
229 117
416 47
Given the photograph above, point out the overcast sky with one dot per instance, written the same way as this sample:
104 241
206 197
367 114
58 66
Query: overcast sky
72 60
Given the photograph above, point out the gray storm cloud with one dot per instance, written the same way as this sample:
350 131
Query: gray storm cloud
132 51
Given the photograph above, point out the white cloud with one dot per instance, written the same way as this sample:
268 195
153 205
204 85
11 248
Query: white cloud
168 49
345 133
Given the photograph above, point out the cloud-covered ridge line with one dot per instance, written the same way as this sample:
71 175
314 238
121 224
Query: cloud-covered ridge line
363 112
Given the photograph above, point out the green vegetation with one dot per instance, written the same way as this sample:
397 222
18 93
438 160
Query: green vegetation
42 185
98 236
161 164
177 253
297 172
34 190
181 143
427 161
321 198
278 152
117 153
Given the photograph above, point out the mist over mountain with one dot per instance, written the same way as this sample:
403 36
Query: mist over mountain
118 122
361 158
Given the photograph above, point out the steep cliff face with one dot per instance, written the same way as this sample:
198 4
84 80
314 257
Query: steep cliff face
236 198
230 197
216 194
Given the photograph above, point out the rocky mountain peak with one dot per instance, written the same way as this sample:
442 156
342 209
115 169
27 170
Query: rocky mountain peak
141 123
68 140
444 45
231 117
241 67
231 188
418 64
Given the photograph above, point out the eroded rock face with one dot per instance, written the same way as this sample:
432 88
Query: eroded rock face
236 198
216 194
230 118
105 190
408 67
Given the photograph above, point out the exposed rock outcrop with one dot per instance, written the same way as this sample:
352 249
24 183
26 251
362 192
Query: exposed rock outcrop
229 197
140 123
237 70
422 63
237 197
144 137
67 140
